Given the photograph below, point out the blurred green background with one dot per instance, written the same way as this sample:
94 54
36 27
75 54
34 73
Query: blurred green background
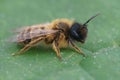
102 46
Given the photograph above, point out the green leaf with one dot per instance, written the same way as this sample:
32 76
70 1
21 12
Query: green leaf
102 46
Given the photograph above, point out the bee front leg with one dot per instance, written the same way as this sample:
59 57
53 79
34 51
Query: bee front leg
76 48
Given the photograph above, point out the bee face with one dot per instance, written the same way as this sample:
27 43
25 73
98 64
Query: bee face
78 32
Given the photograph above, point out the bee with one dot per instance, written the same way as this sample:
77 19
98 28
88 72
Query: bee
60 33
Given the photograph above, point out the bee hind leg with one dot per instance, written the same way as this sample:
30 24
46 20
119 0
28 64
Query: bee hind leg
27 46
22 50
76 48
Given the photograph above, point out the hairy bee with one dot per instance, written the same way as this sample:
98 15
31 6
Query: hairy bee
60 33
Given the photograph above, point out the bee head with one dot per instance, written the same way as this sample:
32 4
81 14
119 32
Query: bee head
79 32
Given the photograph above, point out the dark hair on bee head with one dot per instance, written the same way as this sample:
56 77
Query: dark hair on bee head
78 31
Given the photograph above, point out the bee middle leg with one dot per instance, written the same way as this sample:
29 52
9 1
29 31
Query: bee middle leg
57 50
55 46
28 46
76 48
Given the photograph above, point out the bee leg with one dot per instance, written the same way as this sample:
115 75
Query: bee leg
76 48
55 45
56 49
28 46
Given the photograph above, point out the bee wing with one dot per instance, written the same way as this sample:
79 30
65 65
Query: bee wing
35 32
31 35
19 30
38 33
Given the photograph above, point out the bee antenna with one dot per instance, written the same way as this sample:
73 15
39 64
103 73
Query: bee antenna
91 19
